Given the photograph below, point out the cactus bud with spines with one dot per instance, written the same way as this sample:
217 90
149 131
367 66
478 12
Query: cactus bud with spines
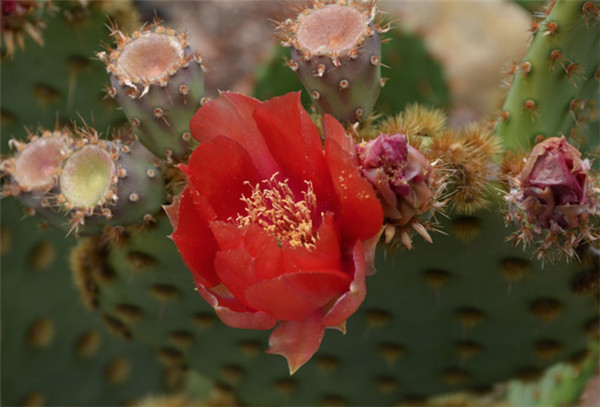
159 82
554 200
112 183
404 180
335 49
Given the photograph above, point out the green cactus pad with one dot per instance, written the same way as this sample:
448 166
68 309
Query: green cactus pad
555 90
53 351
477 313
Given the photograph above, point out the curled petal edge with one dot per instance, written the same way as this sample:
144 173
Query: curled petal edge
237 319
349 302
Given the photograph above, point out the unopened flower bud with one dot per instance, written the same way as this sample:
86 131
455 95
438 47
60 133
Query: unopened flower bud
400 175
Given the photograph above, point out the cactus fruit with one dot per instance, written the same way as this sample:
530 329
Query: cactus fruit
424 84
93 181
336 50
159 83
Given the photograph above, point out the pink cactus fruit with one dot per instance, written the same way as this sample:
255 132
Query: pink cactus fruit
402 177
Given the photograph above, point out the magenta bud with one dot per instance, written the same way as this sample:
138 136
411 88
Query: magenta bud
399 173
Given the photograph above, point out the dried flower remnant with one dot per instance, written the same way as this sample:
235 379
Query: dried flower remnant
554 200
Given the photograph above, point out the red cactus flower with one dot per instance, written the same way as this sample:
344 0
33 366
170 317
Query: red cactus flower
274 228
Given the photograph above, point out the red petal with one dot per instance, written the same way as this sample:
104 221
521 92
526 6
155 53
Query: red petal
359 215
348 303
236 316
235 269
333 130
219 172
295 296
294 141
327 253
230 115
194 240
297 341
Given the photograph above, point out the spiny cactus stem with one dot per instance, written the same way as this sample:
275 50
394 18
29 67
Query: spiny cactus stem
158 82
555 79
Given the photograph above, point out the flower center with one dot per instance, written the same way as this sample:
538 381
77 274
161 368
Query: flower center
275 209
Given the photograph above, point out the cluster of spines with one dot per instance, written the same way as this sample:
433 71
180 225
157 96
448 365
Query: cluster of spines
23 17
159 83
342 79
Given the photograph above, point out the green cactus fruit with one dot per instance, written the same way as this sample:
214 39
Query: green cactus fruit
421 80
54 352
111 183
555 88
159 83
336 51
74 181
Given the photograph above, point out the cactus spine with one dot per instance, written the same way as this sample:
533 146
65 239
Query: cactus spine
555 88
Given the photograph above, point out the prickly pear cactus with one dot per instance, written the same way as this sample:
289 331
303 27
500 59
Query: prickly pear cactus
427 330
505 292
425 84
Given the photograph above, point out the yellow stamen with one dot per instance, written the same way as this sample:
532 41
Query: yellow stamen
275 209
